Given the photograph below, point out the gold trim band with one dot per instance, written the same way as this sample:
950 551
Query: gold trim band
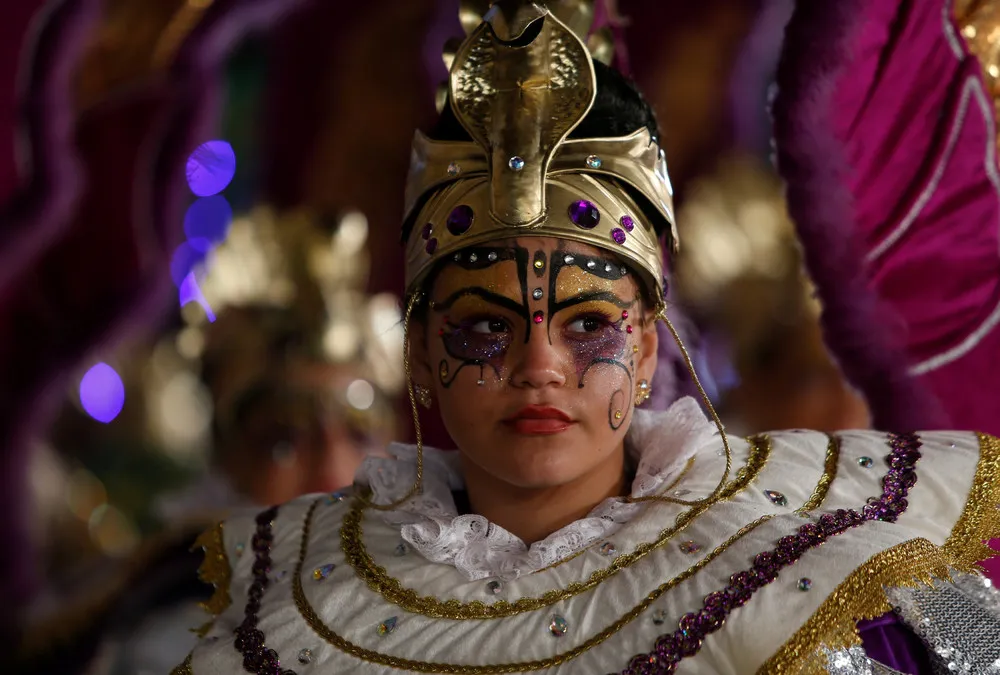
316 623
391 590
826 480
980 519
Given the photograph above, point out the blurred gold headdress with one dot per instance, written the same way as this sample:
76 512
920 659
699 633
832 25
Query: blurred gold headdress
521 81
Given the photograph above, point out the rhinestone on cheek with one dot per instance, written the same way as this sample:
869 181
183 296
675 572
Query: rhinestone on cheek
387 626
443 369
558 626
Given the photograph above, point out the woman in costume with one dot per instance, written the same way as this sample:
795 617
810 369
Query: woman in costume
573 531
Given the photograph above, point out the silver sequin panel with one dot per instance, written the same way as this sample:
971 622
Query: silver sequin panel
853 661
958 620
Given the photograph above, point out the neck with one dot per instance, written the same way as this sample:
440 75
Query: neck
533 513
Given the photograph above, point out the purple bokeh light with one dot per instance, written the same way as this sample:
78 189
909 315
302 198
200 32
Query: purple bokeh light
102 393
206 222
189 291
210 168
187 259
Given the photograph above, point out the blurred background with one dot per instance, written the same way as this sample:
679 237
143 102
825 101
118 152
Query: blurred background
207 316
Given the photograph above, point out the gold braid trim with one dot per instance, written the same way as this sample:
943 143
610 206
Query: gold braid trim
980 520
214 570
378 580
184 668
312 618
826 480
860 596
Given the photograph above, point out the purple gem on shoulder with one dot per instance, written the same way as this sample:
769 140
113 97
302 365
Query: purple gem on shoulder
627 223
618 234
460 219
584 214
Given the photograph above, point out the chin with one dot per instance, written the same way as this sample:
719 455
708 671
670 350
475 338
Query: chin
526 465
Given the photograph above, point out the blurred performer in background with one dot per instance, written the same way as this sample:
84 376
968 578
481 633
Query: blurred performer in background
298 362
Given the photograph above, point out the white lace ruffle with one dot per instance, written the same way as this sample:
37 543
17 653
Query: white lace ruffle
661 442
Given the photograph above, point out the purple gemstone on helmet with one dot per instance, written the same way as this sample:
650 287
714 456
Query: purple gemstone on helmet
431 246
584 214
627 223
425 233
460 219
618 234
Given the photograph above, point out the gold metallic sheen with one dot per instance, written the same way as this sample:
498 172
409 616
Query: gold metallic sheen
860 596
979 24
980 519
184 668
214 570
379 581
829 474
337 641
520 101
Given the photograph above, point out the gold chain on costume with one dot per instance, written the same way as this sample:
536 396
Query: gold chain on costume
826 480
344 645
375 576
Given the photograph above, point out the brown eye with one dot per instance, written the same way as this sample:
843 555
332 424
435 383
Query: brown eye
490 326
587 324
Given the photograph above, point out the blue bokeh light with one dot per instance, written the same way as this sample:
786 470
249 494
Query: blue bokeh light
188 258
102 393
189 291
207 221
210 168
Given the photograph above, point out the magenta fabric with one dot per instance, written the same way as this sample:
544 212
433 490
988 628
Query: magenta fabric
888 641
887 140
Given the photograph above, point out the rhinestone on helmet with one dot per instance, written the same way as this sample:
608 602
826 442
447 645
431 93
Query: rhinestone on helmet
618 235
460 219
594 162
584 214
515 163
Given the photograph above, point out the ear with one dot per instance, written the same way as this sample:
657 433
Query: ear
420 368
649 342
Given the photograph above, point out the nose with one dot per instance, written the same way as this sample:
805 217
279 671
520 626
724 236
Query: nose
538 364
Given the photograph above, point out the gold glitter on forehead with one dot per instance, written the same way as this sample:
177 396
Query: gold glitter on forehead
573 280
500 278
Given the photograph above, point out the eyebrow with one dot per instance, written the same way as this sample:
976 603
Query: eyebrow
606 296
479 291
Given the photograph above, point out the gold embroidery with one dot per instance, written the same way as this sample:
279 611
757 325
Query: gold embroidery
980 520
214 570
184 668
860 596
393 591
321 629
829 473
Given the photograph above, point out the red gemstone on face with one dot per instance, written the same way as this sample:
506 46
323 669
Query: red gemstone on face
624 314
538 317
628 329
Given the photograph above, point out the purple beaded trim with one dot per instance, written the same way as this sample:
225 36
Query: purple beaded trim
249 642
693 627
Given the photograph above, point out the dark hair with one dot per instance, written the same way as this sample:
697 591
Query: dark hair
619 109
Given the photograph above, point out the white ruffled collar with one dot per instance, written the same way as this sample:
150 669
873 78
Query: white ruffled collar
662 442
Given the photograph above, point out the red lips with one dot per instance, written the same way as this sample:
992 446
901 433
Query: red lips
539 420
